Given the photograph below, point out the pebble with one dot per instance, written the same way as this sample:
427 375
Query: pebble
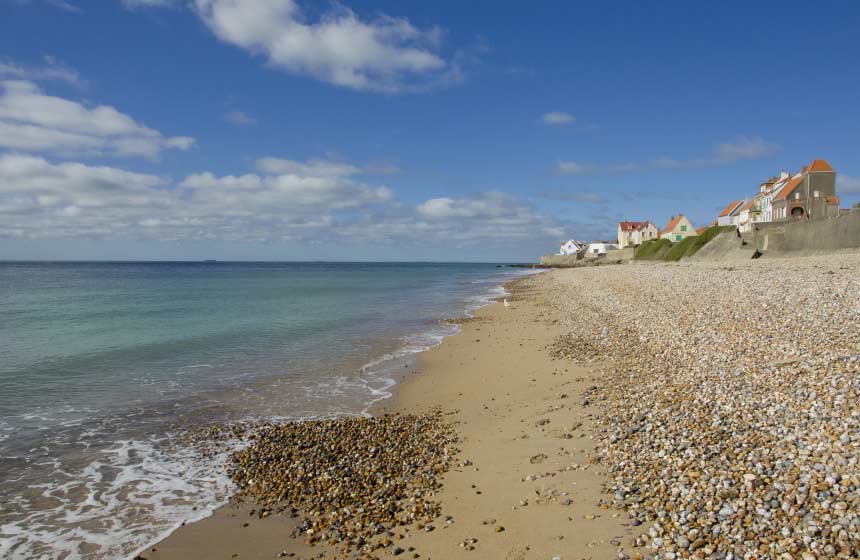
726 411
351 480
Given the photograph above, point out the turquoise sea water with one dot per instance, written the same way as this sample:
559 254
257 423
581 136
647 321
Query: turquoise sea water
104 367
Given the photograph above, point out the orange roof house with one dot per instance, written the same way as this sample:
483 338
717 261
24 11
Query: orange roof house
678 228
730 209
809 194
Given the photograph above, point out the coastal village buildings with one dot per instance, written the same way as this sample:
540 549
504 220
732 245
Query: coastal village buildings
633 234
678 228
600 248
571 247
729 216
809 194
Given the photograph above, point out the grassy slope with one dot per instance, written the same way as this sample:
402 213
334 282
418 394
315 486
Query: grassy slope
665 250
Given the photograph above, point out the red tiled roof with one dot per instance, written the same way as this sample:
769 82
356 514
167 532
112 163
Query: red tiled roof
730 208
700 230
833 200
790 186
633 226
820 165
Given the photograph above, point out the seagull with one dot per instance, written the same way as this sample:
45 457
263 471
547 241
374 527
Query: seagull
506 303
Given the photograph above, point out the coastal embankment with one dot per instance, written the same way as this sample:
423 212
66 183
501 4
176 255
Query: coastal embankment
627 412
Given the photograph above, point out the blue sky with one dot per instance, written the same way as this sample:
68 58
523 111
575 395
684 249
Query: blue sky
381 130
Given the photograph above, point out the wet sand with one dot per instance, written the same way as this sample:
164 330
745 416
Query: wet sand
526 484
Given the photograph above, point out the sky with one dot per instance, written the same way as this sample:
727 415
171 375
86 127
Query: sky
384 130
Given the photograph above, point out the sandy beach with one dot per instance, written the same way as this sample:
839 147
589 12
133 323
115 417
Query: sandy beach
628 412
524 484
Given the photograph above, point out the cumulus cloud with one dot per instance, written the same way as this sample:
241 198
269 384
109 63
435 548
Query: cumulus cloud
384 54
316 201
31 120
557 117
39 198
726 153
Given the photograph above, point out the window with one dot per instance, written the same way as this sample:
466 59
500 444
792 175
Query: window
816 194
683 228
678 237
797 195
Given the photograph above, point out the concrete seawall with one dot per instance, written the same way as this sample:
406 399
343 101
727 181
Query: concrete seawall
565 261
776 239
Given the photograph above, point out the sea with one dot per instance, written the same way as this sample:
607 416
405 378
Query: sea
107 370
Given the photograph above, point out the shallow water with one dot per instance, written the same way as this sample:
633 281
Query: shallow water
105 366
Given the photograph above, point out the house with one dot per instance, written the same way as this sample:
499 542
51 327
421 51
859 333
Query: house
571 247
633 234
808 194
728 217
745 216
678 228
600 248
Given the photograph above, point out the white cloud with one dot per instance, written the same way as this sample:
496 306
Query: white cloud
239 118
53 70
133 4
312 168
311 204
491 216
557 117
31 120
280 193
845 184
579 168
726 153
39 198
385 54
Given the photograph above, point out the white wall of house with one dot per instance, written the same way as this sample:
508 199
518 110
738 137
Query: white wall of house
633 238
570 247
726 220
601 248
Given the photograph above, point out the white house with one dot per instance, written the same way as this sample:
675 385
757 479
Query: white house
729 216
600 248
632 234
571 247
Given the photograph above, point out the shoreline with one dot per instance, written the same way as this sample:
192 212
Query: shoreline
503 392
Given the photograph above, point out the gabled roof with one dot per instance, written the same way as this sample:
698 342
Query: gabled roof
633 226
790 186
820 165
746 206
731 208
672 223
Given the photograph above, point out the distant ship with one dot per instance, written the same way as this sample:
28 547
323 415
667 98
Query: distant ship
210 261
